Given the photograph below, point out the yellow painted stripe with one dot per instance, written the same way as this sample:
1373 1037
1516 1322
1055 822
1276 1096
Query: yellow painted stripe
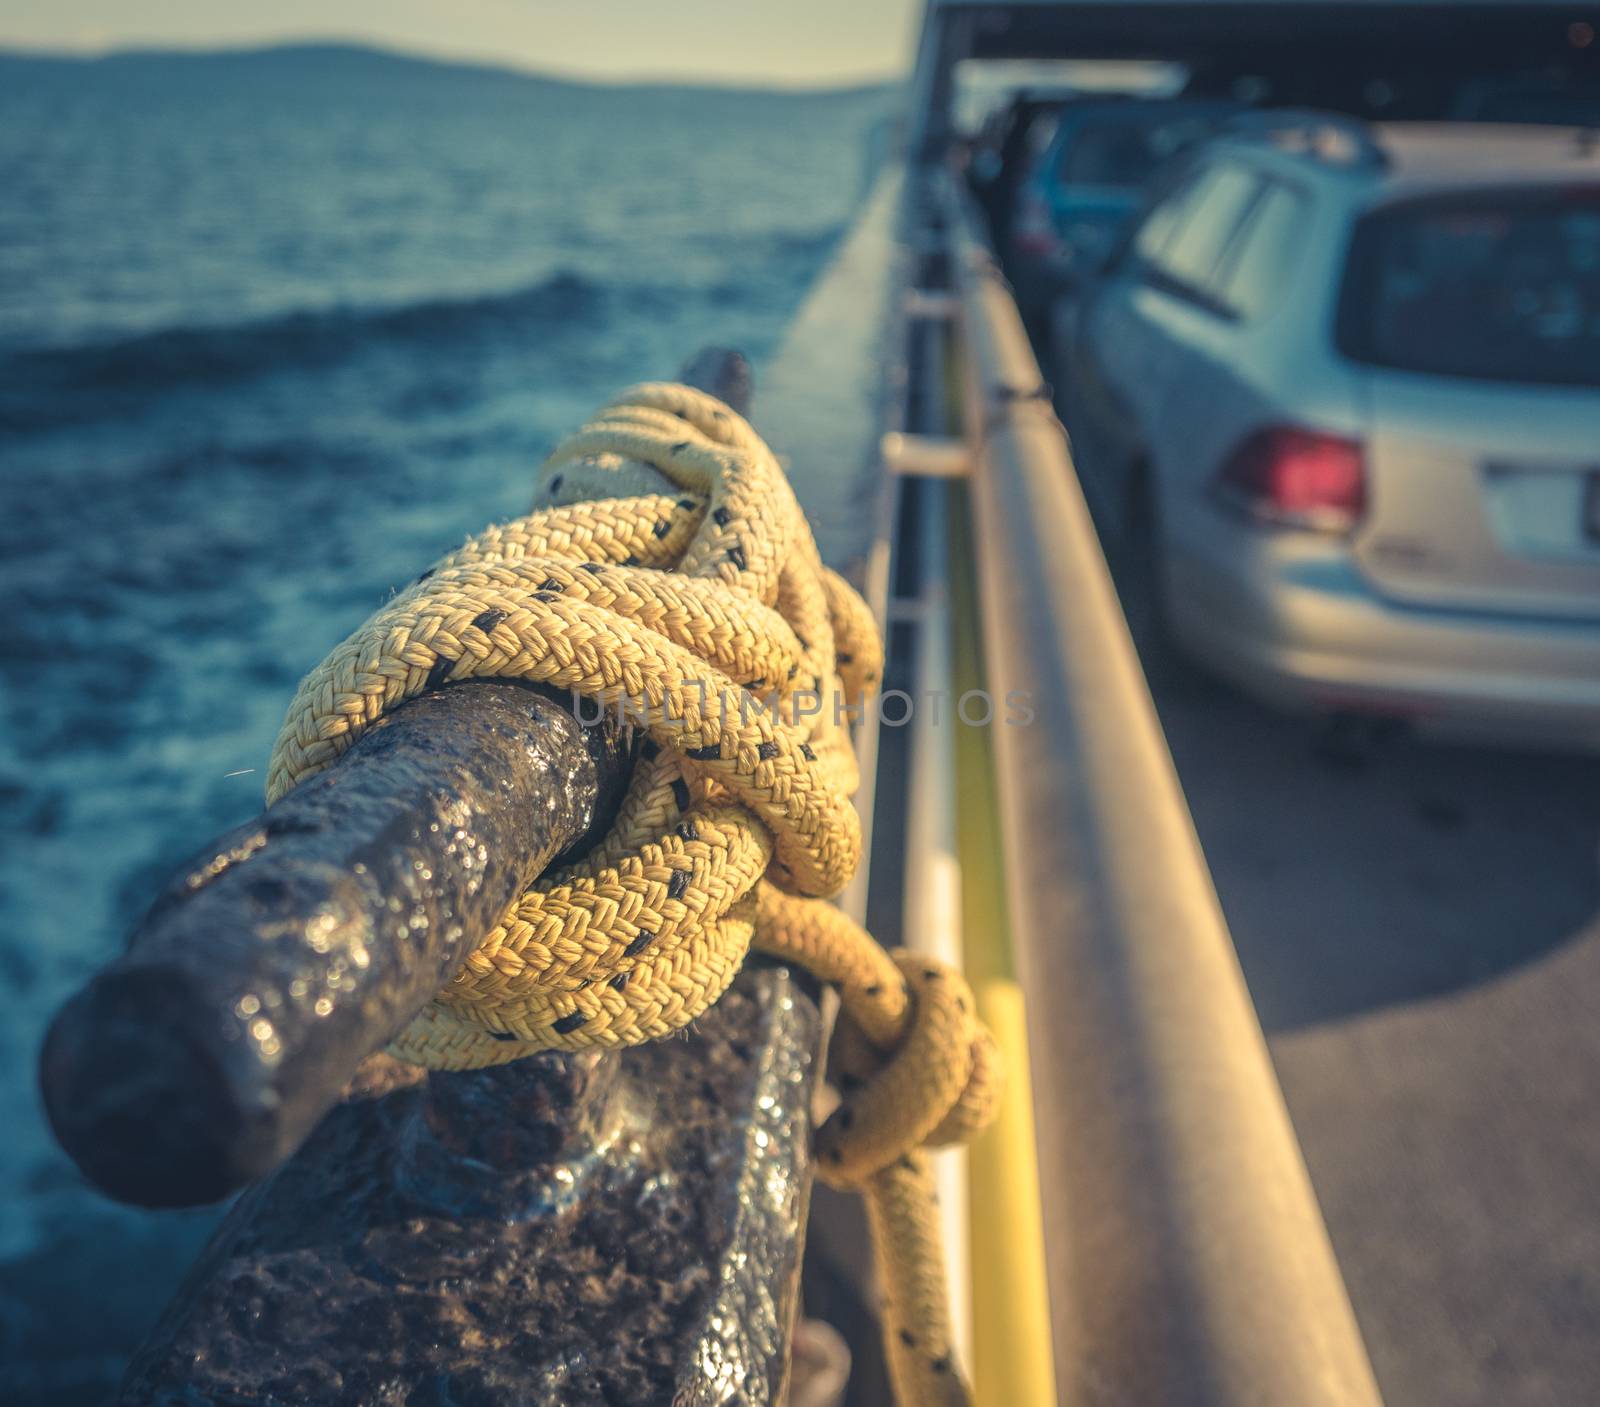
1011 1358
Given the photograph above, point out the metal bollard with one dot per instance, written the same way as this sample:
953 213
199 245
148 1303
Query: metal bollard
291 948
559 1232
565 1229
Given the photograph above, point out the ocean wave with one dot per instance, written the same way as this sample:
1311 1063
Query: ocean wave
209 353
45 387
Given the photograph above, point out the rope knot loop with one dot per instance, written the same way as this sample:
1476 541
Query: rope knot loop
700 614
670 576
937 1084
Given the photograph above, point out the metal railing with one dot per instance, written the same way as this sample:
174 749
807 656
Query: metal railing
1187 1257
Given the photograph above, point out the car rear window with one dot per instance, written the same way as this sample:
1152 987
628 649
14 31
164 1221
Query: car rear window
1502 287
1125 149
1121 154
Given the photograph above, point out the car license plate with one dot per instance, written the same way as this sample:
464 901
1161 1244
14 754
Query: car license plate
1591 506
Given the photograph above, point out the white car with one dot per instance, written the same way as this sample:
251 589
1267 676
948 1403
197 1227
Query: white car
1336 405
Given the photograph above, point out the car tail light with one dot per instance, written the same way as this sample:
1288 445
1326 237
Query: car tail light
1297 478
1035 231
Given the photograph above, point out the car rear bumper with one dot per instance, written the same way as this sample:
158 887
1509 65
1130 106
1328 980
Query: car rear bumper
1288 617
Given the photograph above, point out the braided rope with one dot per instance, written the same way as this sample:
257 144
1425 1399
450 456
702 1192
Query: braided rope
710 616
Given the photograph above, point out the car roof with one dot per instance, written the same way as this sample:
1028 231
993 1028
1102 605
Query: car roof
1425 155
1133 109
1399 159
1021 98
1143 106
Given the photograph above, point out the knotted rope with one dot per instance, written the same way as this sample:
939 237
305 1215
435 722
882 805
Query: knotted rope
708 616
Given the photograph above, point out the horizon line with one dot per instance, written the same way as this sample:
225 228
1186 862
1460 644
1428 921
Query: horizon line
471 59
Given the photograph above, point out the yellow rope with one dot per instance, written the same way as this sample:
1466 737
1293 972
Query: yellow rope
708 616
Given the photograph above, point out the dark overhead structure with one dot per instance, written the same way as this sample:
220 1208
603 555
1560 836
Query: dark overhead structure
1386 60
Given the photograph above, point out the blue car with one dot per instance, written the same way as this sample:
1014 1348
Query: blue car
1087 182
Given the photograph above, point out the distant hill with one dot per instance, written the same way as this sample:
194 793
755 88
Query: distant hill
351 68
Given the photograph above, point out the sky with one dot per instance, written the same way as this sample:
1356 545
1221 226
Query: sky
788 42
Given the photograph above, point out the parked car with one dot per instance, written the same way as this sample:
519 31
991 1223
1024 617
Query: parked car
1086 182
1005 149
1336 405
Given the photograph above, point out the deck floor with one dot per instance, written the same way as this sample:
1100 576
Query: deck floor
1418 930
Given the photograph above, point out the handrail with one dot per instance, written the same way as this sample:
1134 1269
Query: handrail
1188 1260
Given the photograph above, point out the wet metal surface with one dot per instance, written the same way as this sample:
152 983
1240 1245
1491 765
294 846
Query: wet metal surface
647 1253
742 1345
297 944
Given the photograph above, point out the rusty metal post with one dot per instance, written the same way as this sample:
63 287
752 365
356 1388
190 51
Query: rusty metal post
291 948
544 1235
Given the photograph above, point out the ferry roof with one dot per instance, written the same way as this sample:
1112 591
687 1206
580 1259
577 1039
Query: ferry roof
1174 29
1297 38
